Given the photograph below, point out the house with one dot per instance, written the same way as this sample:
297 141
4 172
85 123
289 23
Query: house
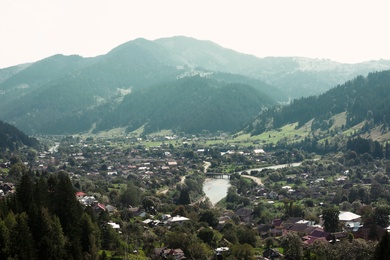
110 209
87 200
317 234
98 208
346 216
264 230
258 151
177 220
7 187
167 253
114 225
245 214
80 194
276 232
353 226
277 223
300 228
218 251
172 163
273 195
272 254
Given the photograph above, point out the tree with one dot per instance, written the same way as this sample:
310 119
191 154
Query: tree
65 205
184 198
22 243
150 203
209 217
180 211
229 233
376 190
90 237
198 250
4 241
50 240
246 235
131 195
293 245
207 235
269 242
381 215
330 216
24 193
382 250
244 251
321 250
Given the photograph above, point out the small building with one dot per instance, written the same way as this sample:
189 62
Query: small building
177 220
346 216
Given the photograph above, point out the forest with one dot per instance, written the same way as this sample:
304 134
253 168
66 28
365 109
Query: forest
363 98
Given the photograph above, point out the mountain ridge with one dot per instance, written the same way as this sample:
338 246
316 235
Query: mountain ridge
65 89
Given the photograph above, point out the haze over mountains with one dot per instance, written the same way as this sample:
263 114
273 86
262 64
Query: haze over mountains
172 83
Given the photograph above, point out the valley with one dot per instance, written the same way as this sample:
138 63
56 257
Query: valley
120 156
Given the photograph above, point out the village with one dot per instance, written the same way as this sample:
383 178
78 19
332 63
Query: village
168 180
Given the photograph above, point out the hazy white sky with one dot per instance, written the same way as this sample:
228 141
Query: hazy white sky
340 30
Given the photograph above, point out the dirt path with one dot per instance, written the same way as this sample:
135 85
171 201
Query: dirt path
255 179
206 166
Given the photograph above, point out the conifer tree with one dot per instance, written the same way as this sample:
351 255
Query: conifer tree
51 239
65 205
21 243
24 193
4 241
90 236
382 249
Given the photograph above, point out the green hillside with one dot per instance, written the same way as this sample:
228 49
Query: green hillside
12 138
71 94
191 104
363 99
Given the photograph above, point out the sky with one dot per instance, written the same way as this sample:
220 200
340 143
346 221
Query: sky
340 30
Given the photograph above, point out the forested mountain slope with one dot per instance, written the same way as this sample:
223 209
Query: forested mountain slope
11 137
191 104
363 99
70 94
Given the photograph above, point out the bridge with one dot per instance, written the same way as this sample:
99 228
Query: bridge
217 175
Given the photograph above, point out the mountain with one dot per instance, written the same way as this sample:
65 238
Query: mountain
190 104
363 100
71 94
9 72
295 76
12 138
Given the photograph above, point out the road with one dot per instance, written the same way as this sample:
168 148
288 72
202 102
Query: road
255 179
258 180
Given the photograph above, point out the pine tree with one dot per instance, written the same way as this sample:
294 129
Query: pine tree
382 250
21 243
90 236
24 193
331 219
4 240
51 240
65 205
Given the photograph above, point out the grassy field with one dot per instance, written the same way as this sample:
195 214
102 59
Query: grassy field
286 134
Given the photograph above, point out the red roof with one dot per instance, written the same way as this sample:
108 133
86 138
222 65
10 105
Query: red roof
102 206
80 194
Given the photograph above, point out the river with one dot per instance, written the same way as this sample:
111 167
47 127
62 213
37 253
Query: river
216 189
